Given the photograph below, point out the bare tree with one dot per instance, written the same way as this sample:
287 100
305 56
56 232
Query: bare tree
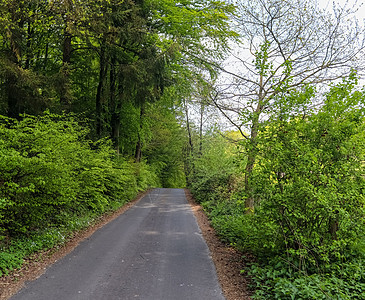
285 45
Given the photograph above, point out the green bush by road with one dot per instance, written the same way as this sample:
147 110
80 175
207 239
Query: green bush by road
54 180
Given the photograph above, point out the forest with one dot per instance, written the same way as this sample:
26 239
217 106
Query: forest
255 106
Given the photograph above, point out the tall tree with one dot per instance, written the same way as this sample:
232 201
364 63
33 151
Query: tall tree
105 57
146 50
23 25
285 45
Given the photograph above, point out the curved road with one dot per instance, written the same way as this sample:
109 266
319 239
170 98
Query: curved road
153 251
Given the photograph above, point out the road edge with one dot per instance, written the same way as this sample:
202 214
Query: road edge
37 264
227 260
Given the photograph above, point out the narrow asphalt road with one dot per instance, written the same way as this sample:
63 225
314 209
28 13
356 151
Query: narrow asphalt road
153 251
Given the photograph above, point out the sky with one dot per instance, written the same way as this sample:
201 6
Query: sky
357 5
360 4
360 13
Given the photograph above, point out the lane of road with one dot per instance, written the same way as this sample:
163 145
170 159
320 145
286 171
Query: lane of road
154 251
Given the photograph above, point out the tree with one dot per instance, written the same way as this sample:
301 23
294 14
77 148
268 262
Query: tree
164 141
180 39
17 35
285 45
31 56
102 58
69 13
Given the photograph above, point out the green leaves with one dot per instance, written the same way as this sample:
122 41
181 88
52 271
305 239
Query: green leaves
261 59
54 180
309 177
308 229
200 28
49 168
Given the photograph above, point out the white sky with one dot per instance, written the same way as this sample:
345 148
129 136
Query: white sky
358 4
355 5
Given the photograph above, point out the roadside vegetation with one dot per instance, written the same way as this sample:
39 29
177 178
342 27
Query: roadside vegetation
307 231
90 108
55 181
288 189
102 99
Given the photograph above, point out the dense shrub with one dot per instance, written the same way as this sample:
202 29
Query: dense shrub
52 177
309 180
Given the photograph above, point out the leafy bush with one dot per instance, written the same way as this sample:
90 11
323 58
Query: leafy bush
309 180
54 180
283 280
215 170
9 261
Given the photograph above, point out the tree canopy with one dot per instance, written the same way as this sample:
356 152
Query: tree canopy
284 46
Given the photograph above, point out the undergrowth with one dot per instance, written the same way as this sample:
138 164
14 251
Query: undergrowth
14 250
276 275
54 181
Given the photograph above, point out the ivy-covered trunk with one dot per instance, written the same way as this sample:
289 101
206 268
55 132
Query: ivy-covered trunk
251 148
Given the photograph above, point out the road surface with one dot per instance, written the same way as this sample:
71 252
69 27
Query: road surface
153 251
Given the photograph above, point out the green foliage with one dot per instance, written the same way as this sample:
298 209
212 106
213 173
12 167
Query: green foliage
54 181
227 219
112 62
48 166
309 179
163 149
145 176
17 248
214 170
281 280
308 230
9 261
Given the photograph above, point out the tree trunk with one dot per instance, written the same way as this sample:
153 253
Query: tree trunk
66 60
138 153
251 157
189 162
66 57
114 108
191 151
100 90
28 49
11 86
249 201
46 51
201 129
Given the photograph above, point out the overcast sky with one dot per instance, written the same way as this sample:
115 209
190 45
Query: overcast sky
359 4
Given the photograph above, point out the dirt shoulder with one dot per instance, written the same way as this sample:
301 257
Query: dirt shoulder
228 261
